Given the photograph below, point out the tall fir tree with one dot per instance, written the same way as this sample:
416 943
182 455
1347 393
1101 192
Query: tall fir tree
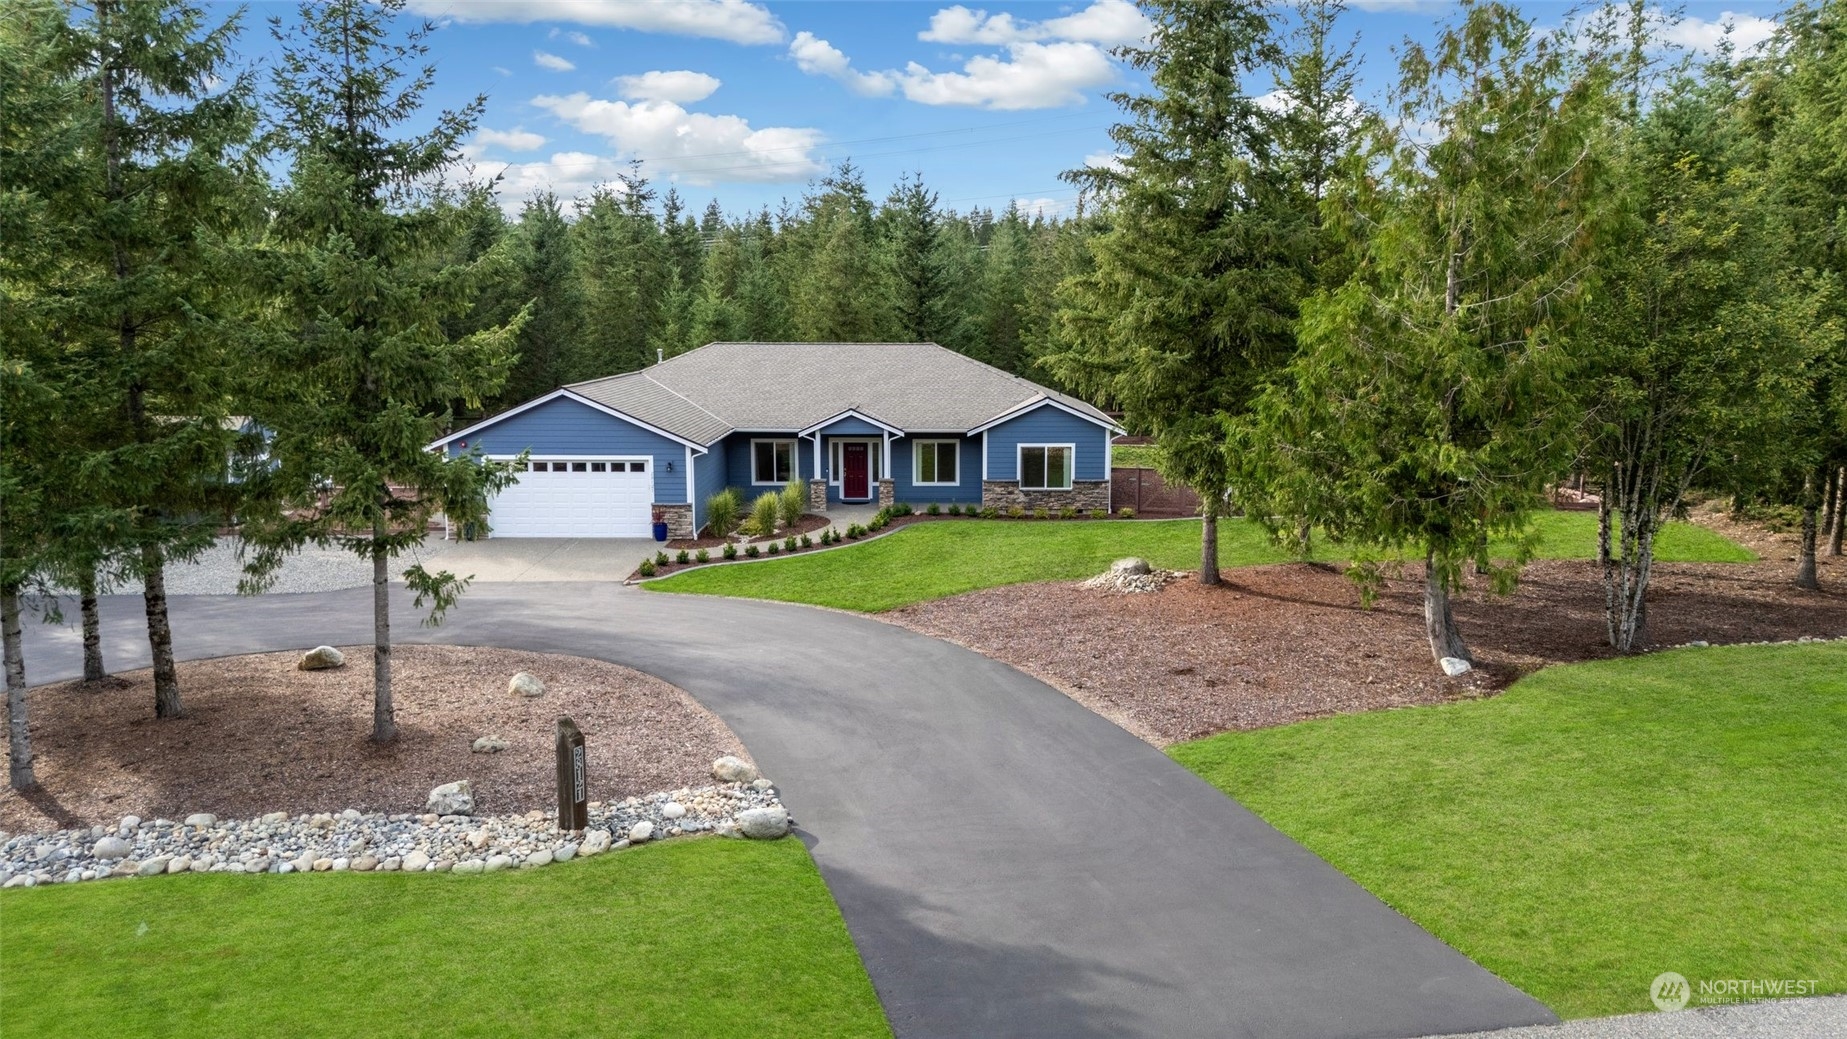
170 175
838 292
364 372
545 261
1191 301
1433 393
925 307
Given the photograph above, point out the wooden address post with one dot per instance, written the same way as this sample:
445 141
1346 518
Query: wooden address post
573 795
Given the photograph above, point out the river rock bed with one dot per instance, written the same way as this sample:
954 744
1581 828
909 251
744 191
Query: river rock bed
359 842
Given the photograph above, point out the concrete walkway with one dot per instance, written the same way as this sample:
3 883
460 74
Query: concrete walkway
1009 864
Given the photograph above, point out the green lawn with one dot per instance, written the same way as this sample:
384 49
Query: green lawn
1593 827
692 938
947 557
1132 456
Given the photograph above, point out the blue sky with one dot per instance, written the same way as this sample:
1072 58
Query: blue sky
749 101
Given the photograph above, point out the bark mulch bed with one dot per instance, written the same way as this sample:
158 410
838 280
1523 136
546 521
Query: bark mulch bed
1282 643
260 736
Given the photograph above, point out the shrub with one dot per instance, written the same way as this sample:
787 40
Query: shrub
702 556
660 559
794 502
683 558
764 512
1017 512
882 515
1126 513
855 531
751 551
935 509
721 512
788 543
775 548
731 550
989 512
1099 514
646 569
902 508
1041 514
807 542
954 509
1068 512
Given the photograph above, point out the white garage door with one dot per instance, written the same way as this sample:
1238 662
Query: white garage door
577 498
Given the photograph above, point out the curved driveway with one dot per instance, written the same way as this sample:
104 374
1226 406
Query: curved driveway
1009 864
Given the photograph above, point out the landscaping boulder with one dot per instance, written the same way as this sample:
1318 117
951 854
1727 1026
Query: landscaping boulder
733 770
1455 666
111 848
320 658
201 819
764 824
457 798
489 745
525 685
641 832
1131 565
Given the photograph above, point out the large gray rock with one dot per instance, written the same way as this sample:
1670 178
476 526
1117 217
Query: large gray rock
641 832
112 848
596 842
320 658
525 685
764 824
201 819
489 745
733 770
416 862
1455 666
457 798
1131 565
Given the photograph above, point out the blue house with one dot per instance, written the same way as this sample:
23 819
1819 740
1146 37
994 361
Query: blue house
857 422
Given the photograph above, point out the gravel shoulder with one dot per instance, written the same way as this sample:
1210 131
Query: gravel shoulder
283 740
1811 1018
315 568
1283 643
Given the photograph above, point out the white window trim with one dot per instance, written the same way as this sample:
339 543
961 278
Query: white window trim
1019 467
836 474
795 460
917 479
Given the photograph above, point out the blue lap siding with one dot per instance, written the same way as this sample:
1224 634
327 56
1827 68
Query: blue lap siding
1048 425
565 427
967 489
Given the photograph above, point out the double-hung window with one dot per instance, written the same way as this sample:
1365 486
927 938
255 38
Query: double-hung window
936 463
772 461
1045 467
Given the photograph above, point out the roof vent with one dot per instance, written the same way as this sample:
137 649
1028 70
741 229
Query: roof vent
659 355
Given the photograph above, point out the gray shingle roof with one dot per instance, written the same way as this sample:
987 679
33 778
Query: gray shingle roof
919 387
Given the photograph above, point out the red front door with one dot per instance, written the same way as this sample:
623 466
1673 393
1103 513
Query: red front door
854 482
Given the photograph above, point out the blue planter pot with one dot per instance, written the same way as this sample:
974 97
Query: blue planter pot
660 531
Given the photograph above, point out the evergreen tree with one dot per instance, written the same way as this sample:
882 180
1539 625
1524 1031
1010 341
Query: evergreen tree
546 268
1002 339
1191 301
925 307
1434 386
838 293
168 177
626 278
364 372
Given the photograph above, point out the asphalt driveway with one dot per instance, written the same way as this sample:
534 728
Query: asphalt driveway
1009 864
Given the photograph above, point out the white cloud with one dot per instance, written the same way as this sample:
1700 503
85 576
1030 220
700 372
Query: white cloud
817 57
683 86
572 35
1035 75
569 174
547 60
1700 34
1045 208
695 147
1106 22
503 70
738 21
1105 161
517 139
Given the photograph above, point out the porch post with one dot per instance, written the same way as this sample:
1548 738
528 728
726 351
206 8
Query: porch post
885 455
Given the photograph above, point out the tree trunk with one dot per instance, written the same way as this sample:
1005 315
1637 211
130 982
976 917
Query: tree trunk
1831 501
1439 622
19 773
93 669
384 719
1606 561
1805 553
1840 513
1209 541
160 634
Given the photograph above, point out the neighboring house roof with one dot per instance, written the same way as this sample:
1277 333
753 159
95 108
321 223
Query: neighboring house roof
775 387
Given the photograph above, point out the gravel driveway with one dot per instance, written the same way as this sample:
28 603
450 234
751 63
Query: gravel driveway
313 569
